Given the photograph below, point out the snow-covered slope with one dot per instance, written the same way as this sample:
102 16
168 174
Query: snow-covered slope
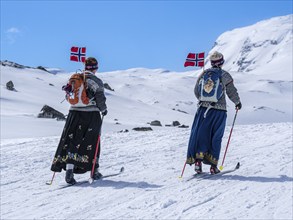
150 188
140 96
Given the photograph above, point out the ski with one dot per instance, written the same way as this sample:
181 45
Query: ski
198 175
223 172
206 175
88 181
76 184
113 174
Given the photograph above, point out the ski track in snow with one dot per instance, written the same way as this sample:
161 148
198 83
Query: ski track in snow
150 188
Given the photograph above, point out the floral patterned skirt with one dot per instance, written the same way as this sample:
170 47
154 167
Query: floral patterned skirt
78 142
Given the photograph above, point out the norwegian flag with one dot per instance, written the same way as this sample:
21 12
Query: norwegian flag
77 54
194 59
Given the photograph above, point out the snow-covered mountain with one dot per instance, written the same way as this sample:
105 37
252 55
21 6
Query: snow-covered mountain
259 57
264 48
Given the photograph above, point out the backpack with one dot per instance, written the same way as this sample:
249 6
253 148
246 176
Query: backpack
210 87
75 89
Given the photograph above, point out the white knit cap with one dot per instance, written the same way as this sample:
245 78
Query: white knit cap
217 59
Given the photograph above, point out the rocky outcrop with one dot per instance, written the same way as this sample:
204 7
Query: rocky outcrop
19 66
183 126
13 64
175 123
42 68
142 129
49 112
10 86
179 110
156 123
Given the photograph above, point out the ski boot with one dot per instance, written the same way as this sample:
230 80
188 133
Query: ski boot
69 177
214 169
198 166
97 175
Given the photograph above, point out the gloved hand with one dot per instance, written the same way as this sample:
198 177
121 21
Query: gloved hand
105 112
67 88
238 106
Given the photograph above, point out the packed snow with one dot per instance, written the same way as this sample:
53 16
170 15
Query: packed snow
150 187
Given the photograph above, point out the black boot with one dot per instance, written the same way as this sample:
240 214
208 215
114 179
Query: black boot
97 174
214 169
69 177
198 166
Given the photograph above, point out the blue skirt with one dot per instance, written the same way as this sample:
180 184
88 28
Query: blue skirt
206 136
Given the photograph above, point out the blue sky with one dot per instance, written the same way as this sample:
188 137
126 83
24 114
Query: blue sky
123 34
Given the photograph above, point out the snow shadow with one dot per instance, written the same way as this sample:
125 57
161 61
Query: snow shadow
261 179
122 184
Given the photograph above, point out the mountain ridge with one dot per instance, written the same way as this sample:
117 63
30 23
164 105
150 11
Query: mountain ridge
142 95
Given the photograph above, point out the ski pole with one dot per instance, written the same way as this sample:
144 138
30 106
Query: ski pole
50 183
221 167
183 170
96 152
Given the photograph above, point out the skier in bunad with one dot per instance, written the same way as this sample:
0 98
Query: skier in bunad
210 119
78 142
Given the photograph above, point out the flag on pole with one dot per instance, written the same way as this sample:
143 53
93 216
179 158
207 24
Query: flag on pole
78 54
194 59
